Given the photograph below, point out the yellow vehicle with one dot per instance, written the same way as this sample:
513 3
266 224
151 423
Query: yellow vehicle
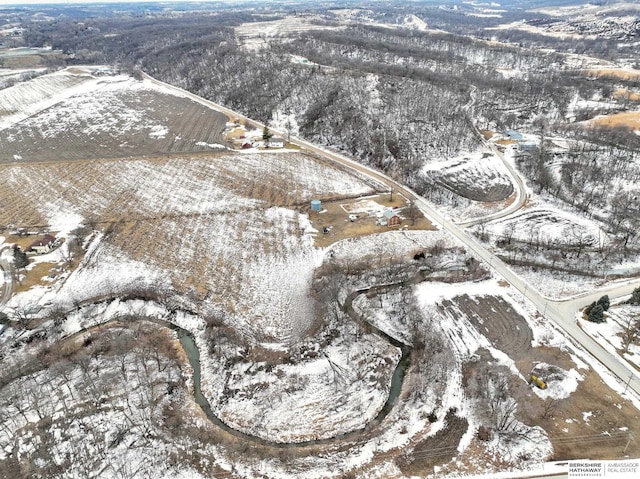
538 381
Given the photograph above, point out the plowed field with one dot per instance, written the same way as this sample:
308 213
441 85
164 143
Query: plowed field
119 119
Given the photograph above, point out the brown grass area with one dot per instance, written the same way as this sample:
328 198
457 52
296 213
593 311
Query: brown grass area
35 276
599 437
180 247
341 227
623 94
109 190
435 450
22 241
502 204
506 142
627 119
508 331
475 459
24 61
488 134
617 73
77 71
236 133
206 255
207 250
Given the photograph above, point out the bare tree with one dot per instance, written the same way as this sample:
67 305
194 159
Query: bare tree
549 407
631 332
24 315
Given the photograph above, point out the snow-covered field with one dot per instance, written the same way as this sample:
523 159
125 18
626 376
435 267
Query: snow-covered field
25 99
478 176
253 34
547 225
72 114
219 227
206 222
125 189
340 391
620 320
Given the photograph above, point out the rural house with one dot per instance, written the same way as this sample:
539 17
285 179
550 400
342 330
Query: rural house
389 218
43 245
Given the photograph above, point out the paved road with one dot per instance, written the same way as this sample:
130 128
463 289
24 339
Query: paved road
562 313
518 184
6 283
517 181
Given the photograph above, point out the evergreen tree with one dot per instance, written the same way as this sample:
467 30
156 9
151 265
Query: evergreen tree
266 133
596 315
604 302
588 309
20 259
635 297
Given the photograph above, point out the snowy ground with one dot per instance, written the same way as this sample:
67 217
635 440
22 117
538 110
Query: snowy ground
26 99
609 334
185 217
479 176
546 224
100 409
252 35
342 390
179 216
71 115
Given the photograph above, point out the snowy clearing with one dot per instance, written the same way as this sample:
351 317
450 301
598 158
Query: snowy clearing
478 176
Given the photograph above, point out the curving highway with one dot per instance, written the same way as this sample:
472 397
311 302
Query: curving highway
519 186
516 179
562 313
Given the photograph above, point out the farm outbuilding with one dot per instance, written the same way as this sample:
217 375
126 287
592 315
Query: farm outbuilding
392 219
513 135
276 142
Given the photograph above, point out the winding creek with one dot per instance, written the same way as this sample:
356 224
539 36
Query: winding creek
192 352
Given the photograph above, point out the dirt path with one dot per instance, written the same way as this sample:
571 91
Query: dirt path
435 450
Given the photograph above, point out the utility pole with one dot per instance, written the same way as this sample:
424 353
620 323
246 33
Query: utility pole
627 385
628 442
